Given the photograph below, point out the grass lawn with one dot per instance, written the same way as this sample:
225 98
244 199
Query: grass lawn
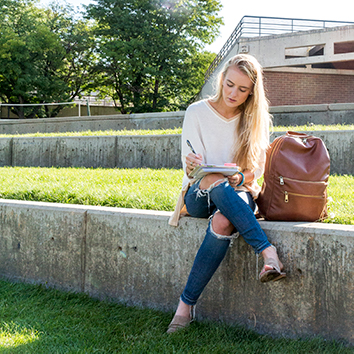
37 320
132 188
309 128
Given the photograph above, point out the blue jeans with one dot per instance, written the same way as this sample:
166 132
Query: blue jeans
238 207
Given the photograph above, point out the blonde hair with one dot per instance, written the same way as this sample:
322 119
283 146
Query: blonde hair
253 126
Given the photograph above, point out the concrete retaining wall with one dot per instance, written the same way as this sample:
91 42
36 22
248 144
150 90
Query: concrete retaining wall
133 256
165 120
341 113
154 151
328 114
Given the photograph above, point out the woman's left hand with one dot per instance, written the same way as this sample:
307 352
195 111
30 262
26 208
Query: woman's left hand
235 179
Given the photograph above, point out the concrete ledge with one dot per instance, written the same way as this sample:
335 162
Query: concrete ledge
301 108
341 107
135 257
338 113
43 243
153 151
328 114
87 151
163 120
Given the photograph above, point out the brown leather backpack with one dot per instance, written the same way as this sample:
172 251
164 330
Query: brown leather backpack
295 179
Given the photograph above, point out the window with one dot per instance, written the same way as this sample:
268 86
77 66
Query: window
303 52
344 47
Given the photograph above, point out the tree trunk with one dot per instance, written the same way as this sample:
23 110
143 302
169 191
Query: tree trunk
119 94
155 96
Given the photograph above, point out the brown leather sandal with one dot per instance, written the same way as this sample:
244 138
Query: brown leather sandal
180 322
272 274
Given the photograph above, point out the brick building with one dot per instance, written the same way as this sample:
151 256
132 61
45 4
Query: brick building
304 61
299 88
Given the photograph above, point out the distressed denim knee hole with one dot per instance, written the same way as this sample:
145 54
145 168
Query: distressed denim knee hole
222 237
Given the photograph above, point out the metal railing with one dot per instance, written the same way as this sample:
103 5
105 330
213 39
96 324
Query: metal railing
23 105
252 26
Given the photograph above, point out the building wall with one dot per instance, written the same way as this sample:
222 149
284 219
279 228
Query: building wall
291 88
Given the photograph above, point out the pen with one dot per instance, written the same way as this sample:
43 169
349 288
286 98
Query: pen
191 147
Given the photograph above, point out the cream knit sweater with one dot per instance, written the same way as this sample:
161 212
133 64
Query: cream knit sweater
212 136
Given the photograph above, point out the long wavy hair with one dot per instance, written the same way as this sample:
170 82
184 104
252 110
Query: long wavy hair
252 130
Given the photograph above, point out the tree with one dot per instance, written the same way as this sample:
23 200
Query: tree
193 78
45 56
146 50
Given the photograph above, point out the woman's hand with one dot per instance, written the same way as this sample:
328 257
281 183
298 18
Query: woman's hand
192 161
234 180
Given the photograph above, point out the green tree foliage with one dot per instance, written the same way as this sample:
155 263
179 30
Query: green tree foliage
149 50
45 56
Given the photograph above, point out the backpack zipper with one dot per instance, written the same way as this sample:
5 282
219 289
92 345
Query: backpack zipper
286 196
273 152
281 180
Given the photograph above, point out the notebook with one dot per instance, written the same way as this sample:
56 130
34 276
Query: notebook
202 170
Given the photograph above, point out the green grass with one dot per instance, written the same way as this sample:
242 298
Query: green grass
37 320
313 127
126 188
99 133
131 188
310 127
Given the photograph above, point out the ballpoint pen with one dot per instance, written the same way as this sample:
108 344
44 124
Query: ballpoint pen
191 147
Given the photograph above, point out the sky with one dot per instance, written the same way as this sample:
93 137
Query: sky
234 10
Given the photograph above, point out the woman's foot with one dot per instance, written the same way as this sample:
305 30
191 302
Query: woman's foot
183 317
273 268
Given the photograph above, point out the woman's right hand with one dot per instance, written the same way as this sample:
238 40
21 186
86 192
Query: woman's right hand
192 161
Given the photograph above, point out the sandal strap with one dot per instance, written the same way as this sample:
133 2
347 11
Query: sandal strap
177 323
192 312
274 263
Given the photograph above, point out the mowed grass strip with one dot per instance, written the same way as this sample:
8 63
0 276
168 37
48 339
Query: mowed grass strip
309 128
34 319
132 188
125 188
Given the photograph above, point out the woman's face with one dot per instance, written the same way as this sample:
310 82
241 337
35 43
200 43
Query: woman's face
236 87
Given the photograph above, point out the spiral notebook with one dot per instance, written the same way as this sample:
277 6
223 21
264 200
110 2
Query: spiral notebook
202 170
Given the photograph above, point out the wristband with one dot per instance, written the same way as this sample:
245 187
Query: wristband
242 181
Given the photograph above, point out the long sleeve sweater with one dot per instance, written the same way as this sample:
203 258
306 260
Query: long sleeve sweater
213 136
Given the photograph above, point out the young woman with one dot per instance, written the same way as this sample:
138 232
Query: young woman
231 127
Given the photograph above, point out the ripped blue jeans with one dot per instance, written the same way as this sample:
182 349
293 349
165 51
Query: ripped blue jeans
238 207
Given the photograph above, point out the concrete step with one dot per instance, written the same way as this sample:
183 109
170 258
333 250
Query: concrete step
327 114
135 257
153 151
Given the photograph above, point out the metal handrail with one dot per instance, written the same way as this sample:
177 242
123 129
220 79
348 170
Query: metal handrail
253 26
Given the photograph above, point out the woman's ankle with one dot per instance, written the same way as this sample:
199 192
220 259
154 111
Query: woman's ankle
271 252
183 309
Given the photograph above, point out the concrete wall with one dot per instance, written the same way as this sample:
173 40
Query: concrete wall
134 257
327 114
153 151
317 114
163 120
